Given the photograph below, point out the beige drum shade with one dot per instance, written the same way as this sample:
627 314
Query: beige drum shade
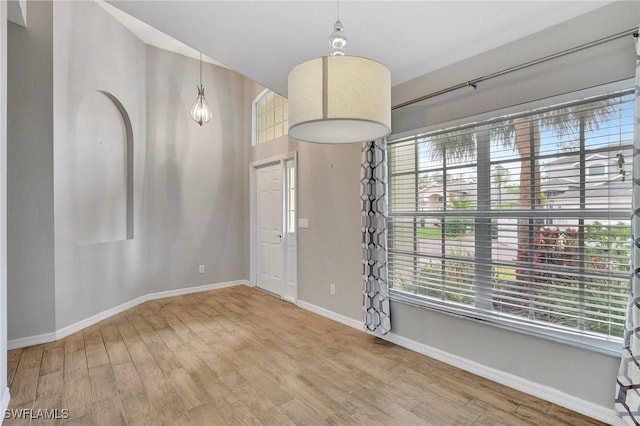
339 99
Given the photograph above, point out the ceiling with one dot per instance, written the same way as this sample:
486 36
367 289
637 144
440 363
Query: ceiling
263 40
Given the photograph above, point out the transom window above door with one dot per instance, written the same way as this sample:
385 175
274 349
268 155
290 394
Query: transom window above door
270 117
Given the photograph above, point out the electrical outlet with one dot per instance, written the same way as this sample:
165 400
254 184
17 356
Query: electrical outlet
201 269
332 289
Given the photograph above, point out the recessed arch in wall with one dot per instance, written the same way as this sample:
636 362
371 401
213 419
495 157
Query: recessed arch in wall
104 170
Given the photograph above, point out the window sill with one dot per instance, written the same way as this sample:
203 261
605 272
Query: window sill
507 322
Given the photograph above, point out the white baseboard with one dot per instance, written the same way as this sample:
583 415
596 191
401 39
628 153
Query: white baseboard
547 393
4 403
80 325
189 290
536 389
31 340
516 382
74 328
330 314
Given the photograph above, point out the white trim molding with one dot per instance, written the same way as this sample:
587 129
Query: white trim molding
331 315
4 403
80 325
547 393
289 294
23 342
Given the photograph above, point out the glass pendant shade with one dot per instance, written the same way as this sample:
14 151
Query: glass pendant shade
200 110
337 39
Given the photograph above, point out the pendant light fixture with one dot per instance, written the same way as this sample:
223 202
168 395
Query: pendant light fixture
339 98
200 110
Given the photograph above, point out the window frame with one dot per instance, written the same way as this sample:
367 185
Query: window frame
291 206
255 117
569 336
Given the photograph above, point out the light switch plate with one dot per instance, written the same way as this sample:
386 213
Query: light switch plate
303 222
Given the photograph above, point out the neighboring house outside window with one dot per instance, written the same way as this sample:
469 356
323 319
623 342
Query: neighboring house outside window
270 117
596 169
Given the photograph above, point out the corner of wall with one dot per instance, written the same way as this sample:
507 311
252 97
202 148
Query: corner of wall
61 333
29 174
4 391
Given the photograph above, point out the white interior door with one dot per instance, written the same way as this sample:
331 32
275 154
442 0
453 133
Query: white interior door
270 249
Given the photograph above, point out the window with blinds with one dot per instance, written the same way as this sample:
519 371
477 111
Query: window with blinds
521 220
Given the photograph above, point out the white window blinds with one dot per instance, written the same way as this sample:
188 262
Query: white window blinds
522 219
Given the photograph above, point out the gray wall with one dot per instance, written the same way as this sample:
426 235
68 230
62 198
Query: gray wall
92 51
329 196
3 204
30 235
193 207
581 373
606 63
190 183
329 250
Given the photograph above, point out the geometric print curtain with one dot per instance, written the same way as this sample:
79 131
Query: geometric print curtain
375 287
628 384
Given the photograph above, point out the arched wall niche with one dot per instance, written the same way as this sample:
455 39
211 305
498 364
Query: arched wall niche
104 170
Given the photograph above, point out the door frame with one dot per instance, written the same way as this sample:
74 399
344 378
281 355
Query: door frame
282 160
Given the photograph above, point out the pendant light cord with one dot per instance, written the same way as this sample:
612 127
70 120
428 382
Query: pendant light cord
200 68
338 8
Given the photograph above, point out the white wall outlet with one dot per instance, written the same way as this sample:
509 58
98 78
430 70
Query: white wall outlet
201 269
332 289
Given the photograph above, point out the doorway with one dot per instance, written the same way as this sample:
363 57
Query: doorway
273 231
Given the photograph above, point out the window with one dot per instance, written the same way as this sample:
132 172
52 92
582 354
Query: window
291 197
270 117
596 170
498 221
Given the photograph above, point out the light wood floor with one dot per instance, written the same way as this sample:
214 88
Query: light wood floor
240 356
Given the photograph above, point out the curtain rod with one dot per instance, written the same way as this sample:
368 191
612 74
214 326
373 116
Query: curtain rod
473 83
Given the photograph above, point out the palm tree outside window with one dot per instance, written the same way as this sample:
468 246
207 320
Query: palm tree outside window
524 235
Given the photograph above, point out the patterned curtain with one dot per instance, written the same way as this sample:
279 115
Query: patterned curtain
628 385
375 291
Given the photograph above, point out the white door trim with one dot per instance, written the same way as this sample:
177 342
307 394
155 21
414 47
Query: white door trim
282 160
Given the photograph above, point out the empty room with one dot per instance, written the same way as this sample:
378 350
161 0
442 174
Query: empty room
330 212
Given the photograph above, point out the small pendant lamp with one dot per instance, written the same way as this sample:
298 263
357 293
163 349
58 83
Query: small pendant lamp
200 110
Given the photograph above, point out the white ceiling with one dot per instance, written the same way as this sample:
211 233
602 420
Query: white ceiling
265 39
